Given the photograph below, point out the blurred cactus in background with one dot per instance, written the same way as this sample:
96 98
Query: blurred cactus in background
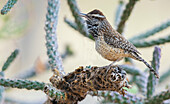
74 86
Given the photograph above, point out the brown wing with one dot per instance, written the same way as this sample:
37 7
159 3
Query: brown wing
118 41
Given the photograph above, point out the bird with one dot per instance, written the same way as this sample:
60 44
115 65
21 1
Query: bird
109 43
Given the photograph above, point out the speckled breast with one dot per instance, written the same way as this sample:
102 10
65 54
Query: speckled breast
108 52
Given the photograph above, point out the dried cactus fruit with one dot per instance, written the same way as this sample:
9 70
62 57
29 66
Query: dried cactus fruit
76 84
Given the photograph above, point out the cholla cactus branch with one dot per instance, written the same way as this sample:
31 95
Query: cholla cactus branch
55 61
78 20
164 76
1 94
127 99
10 59
116 98
82 80
8 6
1 88
119 12
141 82
131 69
75 12
22 84
158 99
71 24
152 31
74 26
126 14
143 43
152 79
54 94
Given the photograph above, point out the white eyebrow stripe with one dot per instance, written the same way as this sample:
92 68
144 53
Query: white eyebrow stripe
97 15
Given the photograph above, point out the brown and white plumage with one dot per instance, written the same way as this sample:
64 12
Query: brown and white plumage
108 42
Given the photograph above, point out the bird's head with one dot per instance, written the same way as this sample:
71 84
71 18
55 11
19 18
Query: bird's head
94 21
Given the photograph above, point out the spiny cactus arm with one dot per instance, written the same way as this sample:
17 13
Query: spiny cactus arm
1 88
74 26
127 99
131 69
143 43
71 24
125 15
34 85
151 31
54 58
159 98
119 12
152 79
1 94
8 6
78 20
116 98
141 82
10 59
164 76
54 94
22 84
75 12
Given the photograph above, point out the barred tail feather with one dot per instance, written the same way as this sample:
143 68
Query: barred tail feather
150 67
137 57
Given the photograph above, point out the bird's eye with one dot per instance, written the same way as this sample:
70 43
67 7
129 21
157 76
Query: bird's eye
95 25
93 16
89 26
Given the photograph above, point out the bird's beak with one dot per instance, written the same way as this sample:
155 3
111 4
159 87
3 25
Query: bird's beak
83 15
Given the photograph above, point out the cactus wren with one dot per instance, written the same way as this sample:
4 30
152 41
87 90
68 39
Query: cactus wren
108 42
